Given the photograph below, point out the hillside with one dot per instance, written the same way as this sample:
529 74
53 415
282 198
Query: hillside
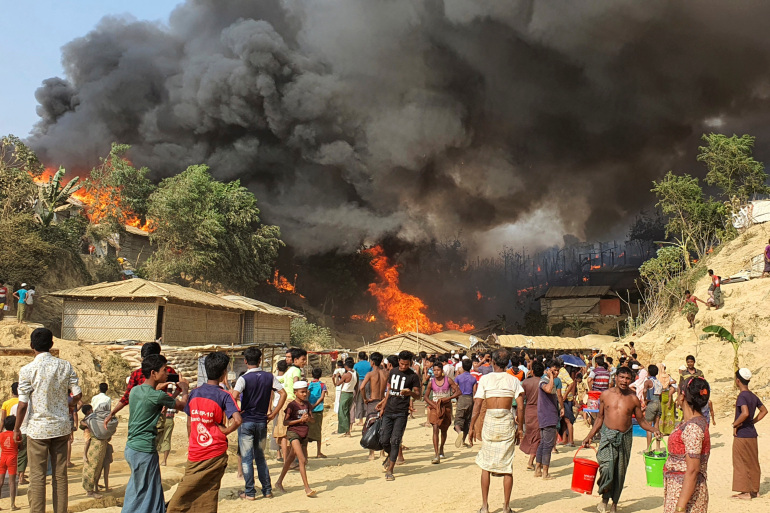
746 307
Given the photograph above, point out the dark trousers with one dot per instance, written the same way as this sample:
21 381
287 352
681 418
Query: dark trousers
547 443
391 433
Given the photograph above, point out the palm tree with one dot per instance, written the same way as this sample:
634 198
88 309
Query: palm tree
53 196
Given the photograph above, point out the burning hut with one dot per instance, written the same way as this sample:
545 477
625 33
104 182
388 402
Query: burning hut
595 305
264 323
145 311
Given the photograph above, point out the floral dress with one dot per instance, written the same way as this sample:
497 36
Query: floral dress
689 438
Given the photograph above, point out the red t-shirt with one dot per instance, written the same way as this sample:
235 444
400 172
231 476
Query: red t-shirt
295 411
8 444
207 407
476 374
716 280
3 294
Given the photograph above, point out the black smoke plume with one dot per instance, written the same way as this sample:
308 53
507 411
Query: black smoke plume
356 119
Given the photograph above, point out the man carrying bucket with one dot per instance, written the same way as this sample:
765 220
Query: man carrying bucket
616 407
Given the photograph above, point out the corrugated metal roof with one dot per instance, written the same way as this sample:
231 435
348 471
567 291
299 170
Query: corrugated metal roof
566 292
411 341
576 306
258 306
139 288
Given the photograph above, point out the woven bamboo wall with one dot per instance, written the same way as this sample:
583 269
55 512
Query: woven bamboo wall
100 320
193 326
272 329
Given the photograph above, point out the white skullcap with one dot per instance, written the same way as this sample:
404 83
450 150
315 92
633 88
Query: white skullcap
683 367
635 367
466 357
300 384
23 284
745 374
457 355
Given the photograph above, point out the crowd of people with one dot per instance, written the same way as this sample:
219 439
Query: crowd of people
500 398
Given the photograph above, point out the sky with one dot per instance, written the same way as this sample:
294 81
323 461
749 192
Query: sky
31 38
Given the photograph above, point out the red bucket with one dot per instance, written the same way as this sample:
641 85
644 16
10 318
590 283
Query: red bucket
584 474
593 400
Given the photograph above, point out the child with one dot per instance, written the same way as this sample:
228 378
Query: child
298 416
317 392
280 373
87 410
207 409
10 451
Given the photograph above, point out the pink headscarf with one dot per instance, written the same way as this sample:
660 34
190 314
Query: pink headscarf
638 385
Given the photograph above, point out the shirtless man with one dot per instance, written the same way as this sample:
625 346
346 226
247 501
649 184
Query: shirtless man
616 406
377 380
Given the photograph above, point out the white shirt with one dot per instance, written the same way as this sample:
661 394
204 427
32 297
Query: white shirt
45 384
449 370
100 398
350 386
498 384
30 297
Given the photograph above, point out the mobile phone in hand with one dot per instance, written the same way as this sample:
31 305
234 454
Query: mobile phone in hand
172 378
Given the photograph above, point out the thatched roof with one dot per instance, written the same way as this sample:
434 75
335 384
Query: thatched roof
411 341
253 305
554 343
139 288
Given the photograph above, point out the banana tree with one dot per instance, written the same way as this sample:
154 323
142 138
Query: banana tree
53 196
735 340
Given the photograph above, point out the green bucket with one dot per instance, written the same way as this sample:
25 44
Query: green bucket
653 465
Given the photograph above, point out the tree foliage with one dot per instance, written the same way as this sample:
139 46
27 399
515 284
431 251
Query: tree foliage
310 336
646 231
53 195
696 223
731 166
18 164
209 233
118 191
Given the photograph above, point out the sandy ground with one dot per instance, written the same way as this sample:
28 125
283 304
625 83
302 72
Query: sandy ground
348 480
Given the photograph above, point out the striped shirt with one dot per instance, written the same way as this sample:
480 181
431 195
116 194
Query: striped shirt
601 377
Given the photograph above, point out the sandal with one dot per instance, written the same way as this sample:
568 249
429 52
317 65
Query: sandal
389 477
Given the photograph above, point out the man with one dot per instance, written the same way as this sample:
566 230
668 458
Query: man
599 377
44 387
531 440
499 390
448 367
475 372
653 390
715 291
21 306
3 299
746 470
11 405
440 408
101 397
144 491
297 358
206 410
689 372
616 407
467 384
137 378
29 301
690 303
485 367
550 409
403 386
254 389
362 368
373 389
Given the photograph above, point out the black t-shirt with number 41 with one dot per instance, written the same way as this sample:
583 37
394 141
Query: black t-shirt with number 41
398 381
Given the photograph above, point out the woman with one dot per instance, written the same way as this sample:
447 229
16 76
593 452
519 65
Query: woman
499 435
339 371
531 440
347 383
444 390
689 446
667 402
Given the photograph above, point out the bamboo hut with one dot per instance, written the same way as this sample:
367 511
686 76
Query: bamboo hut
144 311
264 323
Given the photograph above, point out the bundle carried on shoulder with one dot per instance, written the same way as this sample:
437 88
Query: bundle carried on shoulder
95 423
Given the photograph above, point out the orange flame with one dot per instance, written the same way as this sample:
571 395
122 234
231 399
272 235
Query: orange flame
595 267
538 268
283 285
361 317
479 296
98 207
459 327
585 279
405 312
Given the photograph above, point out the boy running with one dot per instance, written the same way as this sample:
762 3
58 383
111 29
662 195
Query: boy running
298 416
206 410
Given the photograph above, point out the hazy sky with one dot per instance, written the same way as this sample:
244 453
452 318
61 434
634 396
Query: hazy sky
31 38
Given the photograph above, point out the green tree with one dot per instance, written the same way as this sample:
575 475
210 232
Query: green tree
694 222
119 192
727 336
310 336
209 233
18 164
52 197
731 166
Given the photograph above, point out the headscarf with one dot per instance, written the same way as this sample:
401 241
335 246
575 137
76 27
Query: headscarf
663 376
638 385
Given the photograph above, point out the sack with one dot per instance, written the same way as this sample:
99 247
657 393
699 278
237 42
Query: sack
370 438
95 423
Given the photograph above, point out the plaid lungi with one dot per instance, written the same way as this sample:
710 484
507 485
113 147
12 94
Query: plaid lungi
497 437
